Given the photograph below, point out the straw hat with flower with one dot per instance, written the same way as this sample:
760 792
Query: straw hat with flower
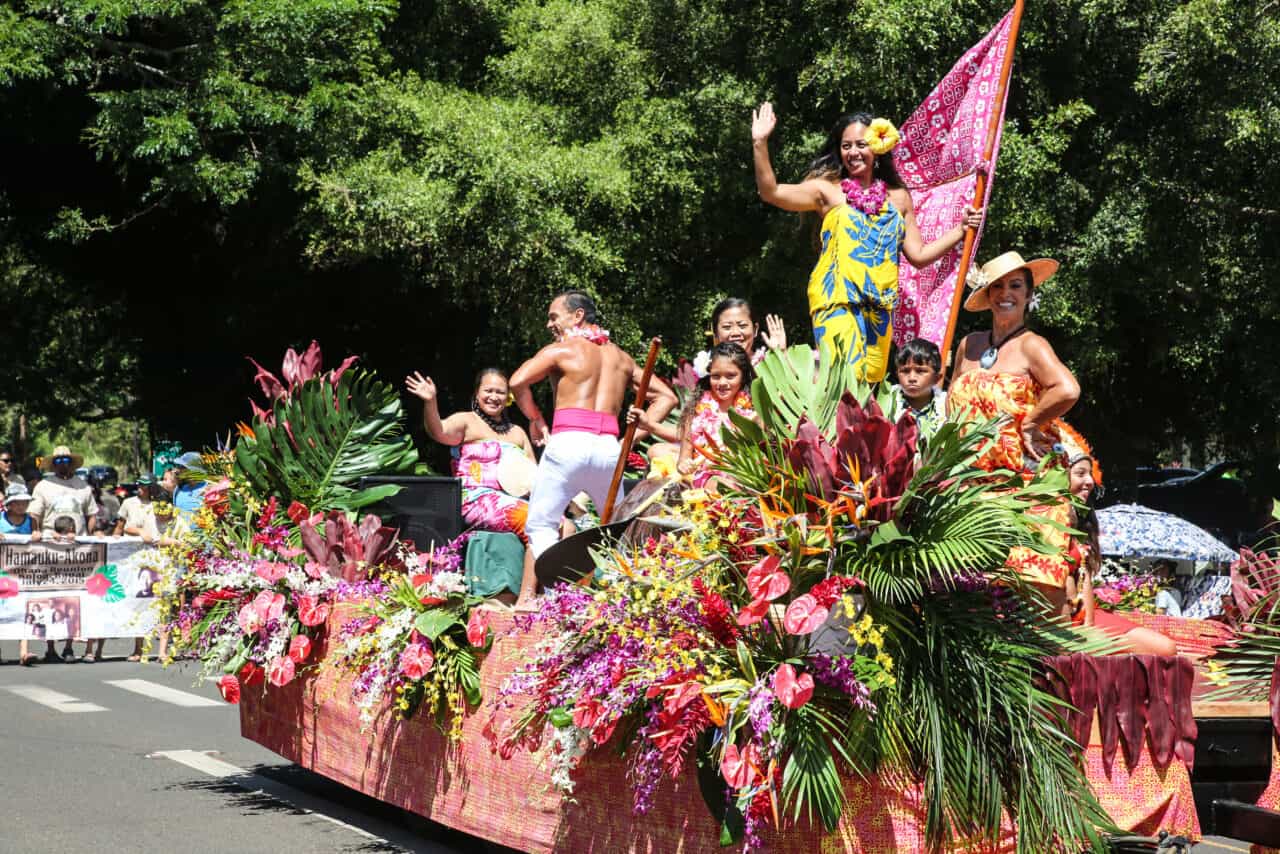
981 278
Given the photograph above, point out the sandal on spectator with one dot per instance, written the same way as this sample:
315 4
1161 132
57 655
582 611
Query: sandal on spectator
52 657
134 658
68 654
29 659
89 658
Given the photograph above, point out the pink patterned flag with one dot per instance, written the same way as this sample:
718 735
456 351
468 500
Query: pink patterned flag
939 159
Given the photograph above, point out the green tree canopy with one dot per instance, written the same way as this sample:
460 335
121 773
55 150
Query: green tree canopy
209 180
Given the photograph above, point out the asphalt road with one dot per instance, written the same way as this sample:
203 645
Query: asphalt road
124 757
92 766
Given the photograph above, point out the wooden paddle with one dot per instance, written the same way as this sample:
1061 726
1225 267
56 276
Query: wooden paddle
642 392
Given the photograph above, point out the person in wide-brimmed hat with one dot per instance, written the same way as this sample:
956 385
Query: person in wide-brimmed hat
64 494
1012 372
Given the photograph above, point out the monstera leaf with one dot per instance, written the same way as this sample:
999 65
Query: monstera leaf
323 438
791 385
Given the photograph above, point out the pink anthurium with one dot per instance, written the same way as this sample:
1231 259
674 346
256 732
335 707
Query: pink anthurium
478 626
766 581
247 619
269 606
280 671
792 690
417 660
740 768
804 615
270 571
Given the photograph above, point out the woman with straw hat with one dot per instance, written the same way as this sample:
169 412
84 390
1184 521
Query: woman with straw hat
1012 372
1008 369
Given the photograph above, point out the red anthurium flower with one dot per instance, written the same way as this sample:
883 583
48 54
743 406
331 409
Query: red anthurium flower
478 626
753 612
312 612
792 690
8 587
766 581
251 674
229 687
416 660
420 579
586 714
740 768
97 584
299 648
681 696
281 671
803 615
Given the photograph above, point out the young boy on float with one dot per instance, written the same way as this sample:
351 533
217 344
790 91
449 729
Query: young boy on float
918 365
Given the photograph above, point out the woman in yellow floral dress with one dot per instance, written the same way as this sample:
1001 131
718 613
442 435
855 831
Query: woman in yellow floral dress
867 222
1013 372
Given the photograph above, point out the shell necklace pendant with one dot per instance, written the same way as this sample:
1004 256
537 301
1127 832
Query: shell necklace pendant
989 355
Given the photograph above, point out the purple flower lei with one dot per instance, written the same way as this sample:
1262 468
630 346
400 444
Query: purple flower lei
869 200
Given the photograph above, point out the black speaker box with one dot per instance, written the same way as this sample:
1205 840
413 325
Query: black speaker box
427 510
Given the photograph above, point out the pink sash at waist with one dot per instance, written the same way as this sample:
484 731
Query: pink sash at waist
585 421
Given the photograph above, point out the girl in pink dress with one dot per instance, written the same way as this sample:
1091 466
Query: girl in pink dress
724 389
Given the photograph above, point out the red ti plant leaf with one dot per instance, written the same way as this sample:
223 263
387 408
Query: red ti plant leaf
268 382
1108 699
1180 681
1084 696
1274 697
811 453
884 452
343 546
337 372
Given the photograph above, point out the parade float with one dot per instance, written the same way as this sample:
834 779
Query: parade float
827 653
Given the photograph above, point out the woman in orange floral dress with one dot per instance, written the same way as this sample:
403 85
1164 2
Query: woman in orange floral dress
1014 372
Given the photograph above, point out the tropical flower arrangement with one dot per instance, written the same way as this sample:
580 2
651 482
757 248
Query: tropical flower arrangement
278 541
667 643
250 598
843 611
415 641
1132 592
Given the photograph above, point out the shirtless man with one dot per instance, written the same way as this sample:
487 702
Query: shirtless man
590 375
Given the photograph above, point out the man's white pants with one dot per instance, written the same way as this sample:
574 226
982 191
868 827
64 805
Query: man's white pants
572 462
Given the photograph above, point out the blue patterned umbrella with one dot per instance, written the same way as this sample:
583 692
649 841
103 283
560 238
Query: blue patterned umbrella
1131 530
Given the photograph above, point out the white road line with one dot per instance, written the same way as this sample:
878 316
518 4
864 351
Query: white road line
257 784
163 693
54 699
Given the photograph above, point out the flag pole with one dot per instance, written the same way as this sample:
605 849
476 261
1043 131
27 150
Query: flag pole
642 392
980 186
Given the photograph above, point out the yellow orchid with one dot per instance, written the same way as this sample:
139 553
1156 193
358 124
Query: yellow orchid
881 137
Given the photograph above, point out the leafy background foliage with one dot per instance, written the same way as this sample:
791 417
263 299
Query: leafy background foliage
411 182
